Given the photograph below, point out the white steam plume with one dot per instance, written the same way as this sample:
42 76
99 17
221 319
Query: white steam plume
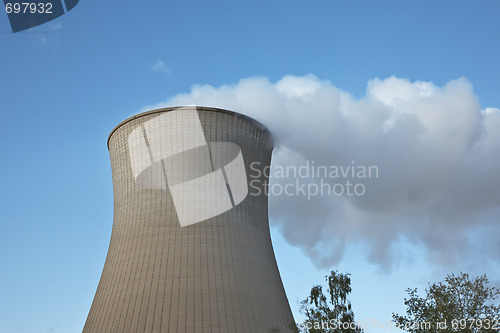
436 151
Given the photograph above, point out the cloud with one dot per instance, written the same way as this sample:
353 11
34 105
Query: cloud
160 66
436 151
52 328
47 35
56 27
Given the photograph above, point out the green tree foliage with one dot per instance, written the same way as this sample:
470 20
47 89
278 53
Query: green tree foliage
331 312
457 305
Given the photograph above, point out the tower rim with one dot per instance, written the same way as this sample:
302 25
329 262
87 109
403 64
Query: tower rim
202 108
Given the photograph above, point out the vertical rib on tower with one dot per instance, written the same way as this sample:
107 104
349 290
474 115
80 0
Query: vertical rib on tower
190 248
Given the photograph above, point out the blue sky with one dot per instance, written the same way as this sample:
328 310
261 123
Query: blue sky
66 84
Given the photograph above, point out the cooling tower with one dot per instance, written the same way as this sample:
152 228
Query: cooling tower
190 247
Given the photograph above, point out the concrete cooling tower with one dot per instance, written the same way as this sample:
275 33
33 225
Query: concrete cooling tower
190 248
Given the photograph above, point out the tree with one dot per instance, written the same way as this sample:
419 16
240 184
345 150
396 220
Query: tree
332 314
457 305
